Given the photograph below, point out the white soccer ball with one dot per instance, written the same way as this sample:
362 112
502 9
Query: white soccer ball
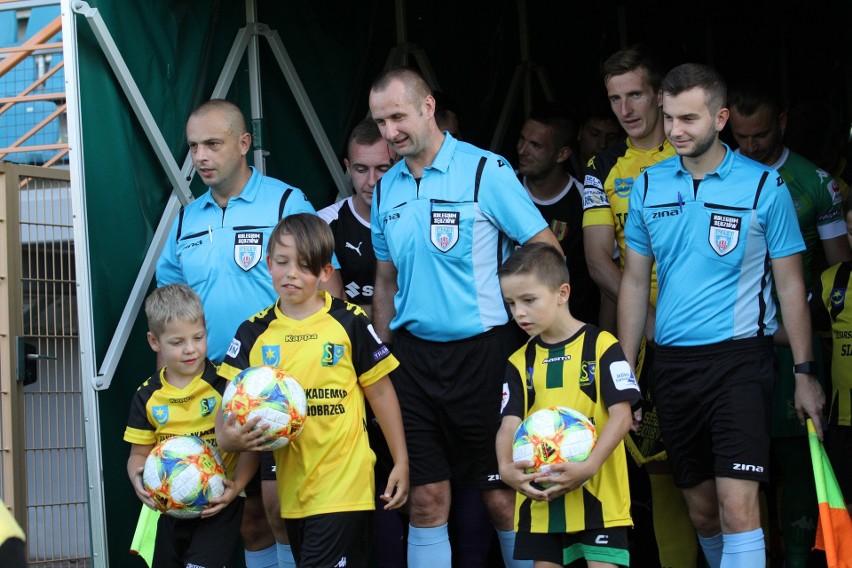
182 474
553 435
272 394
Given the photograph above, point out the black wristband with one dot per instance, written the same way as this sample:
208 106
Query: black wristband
807 368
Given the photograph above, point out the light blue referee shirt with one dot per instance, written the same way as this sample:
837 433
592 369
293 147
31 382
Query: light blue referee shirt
447 235
713 248
221 254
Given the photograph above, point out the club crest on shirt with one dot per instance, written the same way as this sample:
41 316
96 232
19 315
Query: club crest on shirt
331 354
588 370
444 231
271 355
161 413
724 233
248 249
838 298
623 186
559 228
208 405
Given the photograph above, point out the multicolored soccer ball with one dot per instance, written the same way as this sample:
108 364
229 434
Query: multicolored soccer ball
272 394
553 435
182 474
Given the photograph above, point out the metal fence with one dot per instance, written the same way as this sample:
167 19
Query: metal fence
57 515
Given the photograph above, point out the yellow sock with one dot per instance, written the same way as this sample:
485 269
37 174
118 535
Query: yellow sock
676 538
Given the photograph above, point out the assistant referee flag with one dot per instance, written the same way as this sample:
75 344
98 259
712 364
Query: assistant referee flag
834 530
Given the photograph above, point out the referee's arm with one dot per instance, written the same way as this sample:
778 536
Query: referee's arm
384 289
546 236
790 286
633 294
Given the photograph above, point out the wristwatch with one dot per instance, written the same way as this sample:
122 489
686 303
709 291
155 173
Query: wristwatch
807 368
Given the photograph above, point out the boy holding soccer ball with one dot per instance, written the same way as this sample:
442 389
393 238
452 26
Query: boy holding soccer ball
183 399
584 512
325 476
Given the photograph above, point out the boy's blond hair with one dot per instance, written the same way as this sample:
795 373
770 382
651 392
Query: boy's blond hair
172 302
541 260
313 236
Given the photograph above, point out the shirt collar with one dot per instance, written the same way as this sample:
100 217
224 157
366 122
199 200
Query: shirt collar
722 170
442 159
248 194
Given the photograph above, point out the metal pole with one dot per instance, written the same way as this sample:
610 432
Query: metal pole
91 421
253 56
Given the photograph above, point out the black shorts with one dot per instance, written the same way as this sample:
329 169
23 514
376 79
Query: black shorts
267 466
201 542
602 545
334 539
449 394
714 406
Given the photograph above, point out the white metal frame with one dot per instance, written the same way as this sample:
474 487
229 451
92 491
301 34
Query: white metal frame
246 40
101 377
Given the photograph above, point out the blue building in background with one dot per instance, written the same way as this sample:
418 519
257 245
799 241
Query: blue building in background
32 92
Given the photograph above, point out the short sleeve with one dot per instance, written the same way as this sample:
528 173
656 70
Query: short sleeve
618 383
505 201
636 234
168 266
512 403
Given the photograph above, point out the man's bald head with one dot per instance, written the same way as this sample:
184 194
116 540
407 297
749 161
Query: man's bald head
416 88
236 122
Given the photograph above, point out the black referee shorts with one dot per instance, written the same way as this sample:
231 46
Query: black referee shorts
714 406
450 394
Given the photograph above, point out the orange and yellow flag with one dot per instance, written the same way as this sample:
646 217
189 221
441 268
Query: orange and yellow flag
834 530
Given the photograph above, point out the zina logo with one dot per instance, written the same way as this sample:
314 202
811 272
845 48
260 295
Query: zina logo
748 467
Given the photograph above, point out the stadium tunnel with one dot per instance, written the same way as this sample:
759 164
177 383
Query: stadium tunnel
301 71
